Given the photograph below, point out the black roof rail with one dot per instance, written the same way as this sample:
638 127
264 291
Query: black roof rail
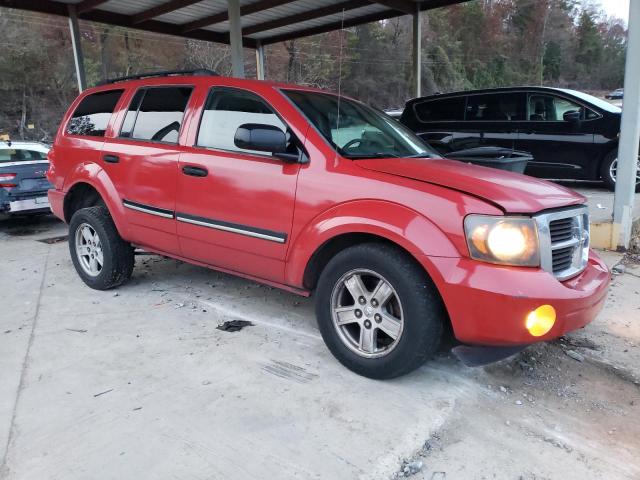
167 73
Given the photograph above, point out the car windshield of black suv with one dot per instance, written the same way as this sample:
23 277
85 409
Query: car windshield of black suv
358 131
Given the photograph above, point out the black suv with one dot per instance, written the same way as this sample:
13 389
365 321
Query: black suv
571 135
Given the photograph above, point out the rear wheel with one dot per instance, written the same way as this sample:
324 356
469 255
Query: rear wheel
609 171
378 312
101 257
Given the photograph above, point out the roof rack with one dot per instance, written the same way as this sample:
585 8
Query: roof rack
167 73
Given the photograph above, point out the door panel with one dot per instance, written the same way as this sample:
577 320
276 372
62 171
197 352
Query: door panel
145 176
234 207
561 149
239 215
142 162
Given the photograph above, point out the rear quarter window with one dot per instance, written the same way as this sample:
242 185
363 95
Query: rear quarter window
441 110
156 113
92 116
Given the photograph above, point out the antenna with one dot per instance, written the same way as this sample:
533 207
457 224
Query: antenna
339 84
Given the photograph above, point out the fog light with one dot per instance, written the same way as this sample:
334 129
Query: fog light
541 320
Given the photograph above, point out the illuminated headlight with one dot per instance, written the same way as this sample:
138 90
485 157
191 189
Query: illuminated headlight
504 240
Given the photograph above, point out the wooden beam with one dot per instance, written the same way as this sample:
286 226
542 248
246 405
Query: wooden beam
306 15
406 6
224 16
87 5
329 27
170 6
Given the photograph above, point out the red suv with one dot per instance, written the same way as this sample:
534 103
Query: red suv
308 191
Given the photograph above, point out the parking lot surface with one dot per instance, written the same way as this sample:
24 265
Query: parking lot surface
139 383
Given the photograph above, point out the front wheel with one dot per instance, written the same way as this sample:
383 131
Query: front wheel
101 257
378 312
609 171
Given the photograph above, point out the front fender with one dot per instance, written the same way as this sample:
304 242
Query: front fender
394 222
92 174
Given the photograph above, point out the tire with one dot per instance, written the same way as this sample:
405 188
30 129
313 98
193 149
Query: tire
413 299
607 173
92 232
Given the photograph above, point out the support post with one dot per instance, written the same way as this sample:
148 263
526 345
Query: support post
76 44
417 53
259 60
235 38
629 137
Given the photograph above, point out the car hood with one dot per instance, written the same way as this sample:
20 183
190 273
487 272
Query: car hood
512 192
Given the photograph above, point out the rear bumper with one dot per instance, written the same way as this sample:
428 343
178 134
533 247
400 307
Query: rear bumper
488 304
56 201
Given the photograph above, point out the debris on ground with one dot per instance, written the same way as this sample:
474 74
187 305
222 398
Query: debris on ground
575 355
618 269
234 325
77 330
102 393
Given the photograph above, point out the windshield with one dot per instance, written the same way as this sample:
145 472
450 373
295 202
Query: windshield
358 131
602 104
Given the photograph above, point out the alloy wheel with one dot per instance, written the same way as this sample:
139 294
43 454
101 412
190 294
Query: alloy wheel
367 313
613 170
89 250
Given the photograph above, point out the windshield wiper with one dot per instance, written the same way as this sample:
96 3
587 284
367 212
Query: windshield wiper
371 155
421 155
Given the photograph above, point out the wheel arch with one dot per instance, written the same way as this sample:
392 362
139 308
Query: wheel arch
348 224
90 185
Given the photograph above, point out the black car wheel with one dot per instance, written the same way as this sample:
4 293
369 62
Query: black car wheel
609 171
378 312
101 257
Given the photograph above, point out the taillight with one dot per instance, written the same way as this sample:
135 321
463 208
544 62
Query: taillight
6 180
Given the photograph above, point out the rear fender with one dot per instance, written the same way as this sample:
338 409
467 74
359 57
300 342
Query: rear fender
94 175
396 223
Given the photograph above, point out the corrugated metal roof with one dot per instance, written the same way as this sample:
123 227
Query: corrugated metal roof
265 20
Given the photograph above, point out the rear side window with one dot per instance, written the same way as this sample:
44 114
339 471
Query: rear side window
226 109
444 110
156 113
497 107
92 116
19 155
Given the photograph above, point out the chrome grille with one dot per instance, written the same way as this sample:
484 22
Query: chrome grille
564 241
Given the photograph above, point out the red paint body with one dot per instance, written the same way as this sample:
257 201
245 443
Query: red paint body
418 204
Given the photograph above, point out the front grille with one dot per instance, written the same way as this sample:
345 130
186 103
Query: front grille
564 241
562 229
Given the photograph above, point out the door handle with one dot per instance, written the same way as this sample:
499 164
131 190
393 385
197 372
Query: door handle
195 171
111 158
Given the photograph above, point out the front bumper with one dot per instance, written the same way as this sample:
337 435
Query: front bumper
488 304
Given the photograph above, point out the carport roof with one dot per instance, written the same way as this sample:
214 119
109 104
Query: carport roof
263 21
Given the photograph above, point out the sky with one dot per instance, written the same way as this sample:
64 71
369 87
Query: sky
616 8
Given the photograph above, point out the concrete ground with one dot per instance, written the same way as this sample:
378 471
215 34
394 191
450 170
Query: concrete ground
138 383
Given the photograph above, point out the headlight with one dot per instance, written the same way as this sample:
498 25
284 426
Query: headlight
504 240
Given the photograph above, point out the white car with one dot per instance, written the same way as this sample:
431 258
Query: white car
23 181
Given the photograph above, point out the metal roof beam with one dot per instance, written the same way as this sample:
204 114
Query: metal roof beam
329 27
406 6
167 7
224 16
304 16
87 5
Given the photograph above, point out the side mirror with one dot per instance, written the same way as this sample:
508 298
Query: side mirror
573 116
261 137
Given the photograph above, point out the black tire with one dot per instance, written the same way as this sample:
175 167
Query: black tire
118 255
423 311
605 171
